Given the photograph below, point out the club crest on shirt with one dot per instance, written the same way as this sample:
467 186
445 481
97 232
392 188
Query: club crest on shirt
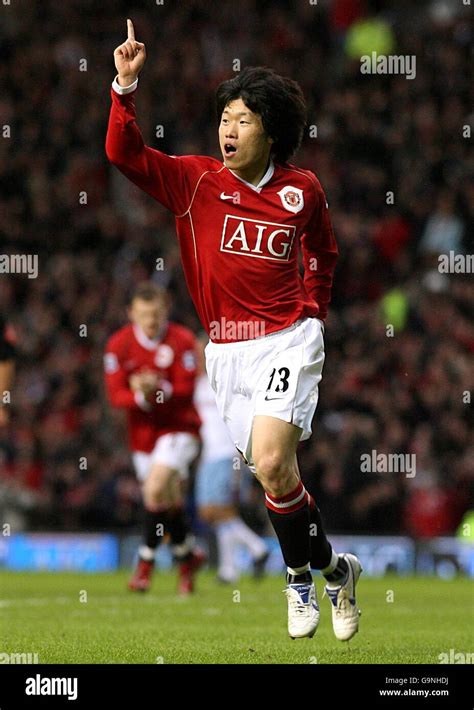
292 198
164 355
189 360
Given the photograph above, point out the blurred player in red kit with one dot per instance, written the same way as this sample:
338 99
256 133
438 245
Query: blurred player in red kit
150 371
241 223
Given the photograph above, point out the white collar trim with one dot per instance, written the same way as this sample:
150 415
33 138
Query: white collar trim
145 341
266 178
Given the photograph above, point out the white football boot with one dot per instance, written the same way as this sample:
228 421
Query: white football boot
303 610
345 612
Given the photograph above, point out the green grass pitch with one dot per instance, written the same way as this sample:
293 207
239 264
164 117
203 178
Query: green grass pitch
82 618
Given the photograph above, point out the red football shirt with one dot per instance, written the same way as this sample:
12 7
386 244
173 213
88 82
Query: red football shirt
173 357
239 246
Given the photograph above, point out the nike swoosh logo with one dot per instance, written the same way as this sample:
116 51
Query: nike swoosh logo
223 196
269 399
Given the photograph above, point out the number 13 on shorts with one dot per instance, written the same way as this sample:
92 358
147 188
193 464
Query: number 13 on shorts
288 384
278 383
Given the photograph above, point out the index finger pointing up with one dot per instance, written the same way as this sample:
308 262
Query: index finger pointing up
130 30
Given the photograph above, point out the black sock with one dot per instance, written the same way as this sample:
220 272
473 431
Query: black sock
178 529
298 578
177 526
339 573
292 532
321 549
154 527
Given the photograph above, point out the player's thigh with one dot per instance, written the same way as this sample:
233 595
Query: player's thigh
176 451
155 477
159 478
227 377
176 488
274 443
287 380
141 463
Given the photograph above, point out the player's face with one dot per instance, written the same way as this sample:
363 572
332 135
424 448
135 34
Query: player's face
148 315
244 144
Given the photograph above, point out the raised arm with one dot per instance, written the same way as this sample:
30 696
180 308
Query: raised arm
160 175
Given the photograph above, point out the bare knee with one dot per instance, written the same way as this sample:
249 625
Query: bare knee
207 514
214 514
156 487
277 476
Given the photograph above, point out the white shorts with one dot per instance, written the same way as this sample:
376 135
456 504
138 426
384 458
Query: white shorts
277 375
177 450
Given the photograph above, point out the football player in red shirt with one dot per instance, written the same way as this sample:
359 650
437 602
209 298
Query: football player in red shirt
241 224
150 370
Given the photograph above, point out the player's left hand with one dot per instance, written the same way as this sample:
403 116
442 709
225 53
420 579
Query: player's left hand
129 56
145 381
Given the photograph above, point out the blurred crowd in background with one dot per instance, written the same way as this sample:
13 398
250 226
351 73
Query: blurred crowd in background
396 163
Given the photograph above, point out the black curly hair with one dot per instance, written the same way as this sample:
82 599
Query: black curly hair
278 100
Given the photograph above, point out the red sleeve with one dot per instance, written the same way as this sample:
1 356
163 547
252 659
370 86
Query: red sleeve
319 254
182 375
116 381
161 176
